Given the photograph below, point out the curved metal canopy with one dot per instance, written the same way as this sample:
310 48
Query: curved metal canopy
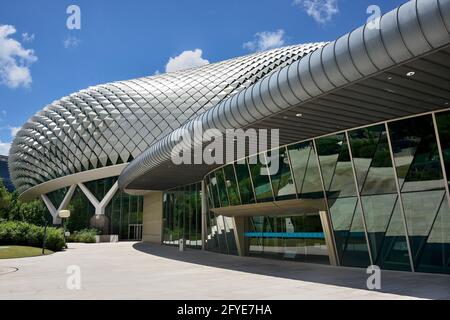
108 125
362 77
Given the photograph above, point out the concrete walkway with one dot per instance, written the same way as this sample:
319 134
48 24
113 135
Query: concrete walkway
129 270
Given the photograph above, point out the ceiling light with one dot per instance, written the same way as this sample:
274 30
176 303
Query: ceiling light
410 74
299 115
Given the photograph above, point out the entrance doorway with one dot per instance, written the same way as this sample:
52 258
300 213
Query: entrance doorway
294 237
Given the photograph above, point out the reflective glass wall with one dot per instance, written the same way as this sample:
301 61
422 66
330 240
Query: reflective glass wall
124 211
182 216
385 186
299 237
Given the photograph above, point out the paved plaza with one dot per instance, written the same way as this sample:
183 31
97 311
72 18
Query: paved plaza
129 270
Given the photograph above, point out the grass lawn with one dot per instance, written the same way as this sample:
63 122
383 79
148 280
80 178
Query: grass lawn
10 252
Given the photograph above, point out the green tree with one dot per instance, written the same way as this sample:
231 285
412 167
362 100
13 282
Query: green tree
5 201
13 209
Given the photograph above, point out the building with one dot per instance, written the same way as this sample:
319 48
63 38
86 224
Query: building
364 158
4 173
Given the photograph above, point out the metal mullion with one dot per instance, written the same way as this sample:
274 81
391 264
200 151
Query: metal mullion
441 158
380 136
292 171
359 198
270 178
307 164
217 189
325 198
405 224
225 185
237 183
251 178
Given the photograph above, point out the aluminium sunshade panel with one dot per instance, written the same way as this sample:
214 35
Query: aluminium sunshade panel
113 123
412 31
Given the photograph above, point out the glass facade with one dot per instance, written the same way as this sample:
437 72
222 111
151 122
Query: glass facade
125 215
124 211
298 237
182 216
386 189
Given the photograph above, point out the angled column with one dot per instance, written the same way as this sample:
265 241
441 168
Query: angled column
328 232
99 206
51 208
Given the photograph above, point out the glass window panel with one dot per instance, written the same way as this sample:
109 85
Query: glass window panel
356 251
188 214
223 195
230 238
372 159
312 186
133 210
282 182
230 181
300 155
421 209
443 123
221 234
378 211
342 211
255 242
245 184
261 181
212 242
125 216
394 250
213 190
416 154
436 253
336 166
165 218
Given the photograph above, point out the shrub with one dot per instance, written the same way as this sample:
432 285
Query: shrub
85 236
23 233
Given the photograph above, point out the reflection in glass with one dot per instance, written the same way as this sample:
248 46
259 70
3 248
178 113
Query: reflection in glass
223 195
372 159
231 184
336 166
416 154
182 216
421 181
282 182
213 191
245 183
305 169
443 126
261 181
298 237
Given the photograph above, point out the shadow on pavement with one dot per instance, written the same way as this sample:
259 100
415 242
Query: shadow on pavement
419 285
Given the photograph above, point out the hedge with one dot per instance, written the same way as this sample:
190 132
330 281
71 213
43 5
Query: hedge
85 236
23 233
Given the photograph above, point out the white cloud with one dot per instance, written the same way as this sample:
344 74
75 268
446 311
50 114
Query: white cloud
15 61
4 148
320 10
71 42
26 37
14 131
266 40
186 60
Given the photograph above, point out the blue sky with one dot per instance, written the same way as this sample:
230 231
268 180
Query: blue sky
41 60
